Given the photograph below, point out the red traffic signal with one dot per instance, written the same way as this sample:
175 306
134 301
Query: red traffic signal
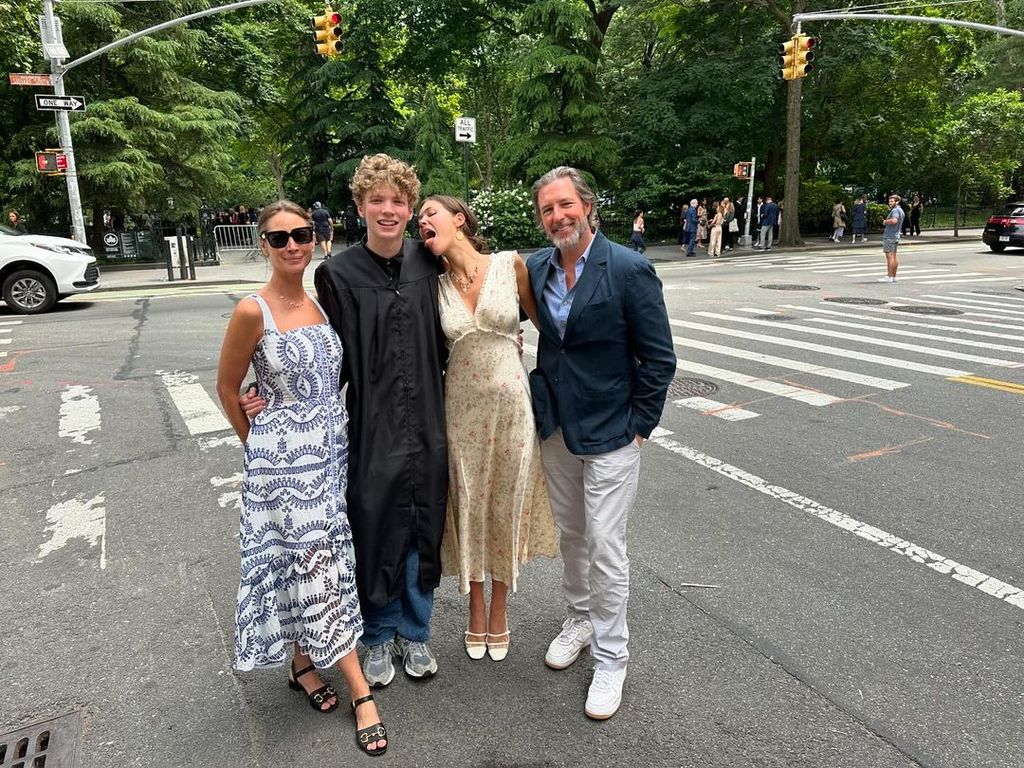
327 33
51 162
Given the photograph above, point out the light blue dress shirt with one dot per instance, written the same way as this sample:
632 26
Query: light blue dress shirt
558 298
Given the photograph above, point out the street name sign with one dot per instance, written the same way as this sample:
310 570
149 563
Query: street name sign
45 103
24 78
465 129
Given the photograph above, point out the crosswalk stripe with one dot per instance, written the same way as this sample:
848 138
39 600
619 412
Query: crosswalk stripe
836 266
905 274
6 330
983 302
970 280
714 408
79 414
866 357
958 304
867 340
200 413
796 365
1005 386
910 334
1009 300
5 341
789 391
911 323
11 322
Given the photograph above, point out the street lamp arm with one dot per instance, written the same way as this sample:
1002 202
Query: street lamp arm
834 15
159 28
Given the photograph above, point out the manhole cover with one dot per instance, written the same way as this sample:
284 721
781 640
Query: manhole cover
789 287
775 317
51 743
691 388
926 310
855 300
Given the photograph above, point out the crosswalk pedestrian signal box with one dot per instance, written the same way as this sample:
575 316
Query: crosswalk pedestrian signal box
741 170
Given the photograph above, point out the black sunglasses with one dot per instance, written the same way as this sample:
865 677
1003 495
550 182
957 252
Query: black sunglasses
279 237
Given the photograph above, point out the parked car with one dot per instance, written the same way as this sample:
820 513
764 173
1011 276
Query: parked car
37 271
1006 228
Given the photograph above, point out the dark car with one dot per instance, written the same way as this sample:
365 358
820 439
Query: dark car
1006 228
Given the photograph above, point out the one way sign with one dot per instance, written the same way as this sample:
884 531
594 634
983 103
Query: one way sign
46 103
465 129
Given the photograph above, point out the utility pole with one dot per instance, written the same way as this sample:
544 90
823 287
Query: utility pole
52 37
56 53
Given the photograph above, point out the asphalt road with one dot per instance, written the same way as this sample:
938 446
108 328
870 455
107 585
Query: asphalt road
826 548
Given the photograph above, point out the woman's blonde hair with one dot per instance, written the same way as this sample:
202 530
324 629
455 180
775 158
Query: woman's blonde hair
384 170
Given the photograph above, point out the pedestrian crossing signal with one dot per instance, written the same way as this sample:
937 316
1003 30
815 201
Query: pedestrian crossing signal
741 170
797 55
327 33
51 162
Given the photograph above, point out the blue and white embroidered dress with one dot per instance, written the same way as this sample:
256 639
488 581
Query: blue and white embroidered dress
298 566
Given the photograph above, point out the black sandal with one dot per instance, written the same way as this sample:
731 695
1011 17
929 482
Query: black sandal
370 734
317 697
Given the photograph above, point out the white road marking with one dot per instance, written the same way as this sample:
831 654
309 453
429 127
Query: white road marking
983 302
792 392
714 408
6 409
982 311
911 334
11 322
228 498
1009 300
907 365
867 340
74 519
79 413
991 586
5 341
835 266
206 443
796 365
200 413
972 280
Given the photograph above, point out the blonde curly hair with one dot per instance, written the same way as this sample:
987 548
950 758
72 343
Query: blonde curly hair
381 169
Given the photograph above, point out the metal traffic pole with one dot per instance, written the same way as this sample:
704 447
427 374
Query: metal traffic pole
52 31
751 209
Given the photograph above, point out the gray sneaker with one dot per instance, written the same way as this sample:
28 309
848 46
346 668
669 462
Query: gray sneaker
378 668
418 660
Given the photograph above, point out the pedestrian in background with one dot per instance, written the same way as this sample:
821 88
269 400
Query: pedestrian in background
905 225
715 228
702 223
323 224
891 237
860 219
838 221
499 516
692 227
916 209
728 222
15 222
605 359
637 238
769 218
298 582
684 227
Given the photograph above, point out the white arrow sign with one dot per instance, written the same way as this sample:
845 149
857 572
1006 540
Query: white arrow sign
465 129
60 103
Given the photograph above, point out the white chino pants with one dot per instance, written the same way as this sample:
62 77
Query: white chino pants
591 496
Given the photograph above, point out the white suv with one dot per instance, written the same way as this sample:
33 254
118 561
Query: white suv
37 271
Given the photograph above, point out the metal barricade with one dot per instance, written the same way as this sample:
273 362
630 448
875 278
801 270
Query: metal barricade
238 238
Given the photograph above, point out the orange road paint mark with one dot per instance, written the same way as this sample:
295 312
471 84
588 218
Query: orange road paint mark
10 365
886 451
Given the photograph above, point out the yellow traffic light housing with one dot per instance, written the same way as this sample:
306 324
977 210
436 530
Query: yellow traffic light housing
327 33
797 55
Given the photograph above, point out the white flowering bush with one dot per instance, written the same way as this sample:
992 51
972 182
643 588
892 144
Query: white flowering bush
506 218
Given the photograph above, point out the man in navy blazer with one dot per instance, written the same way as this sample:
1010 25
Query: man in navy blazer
604 363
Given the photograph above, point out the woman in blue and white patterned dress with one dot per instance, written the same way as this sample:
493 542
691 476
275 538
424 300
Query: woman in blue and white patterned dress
298 583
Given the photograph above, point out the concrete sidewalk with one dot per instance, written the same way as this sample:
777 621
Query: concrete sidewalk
235 270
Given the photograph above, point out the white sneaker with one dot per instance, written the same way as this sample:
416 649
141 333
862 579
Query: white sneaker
605 694
565 649
885 279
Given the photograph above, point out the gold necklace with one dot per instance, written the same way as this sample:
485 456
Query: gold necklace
465 283
293 304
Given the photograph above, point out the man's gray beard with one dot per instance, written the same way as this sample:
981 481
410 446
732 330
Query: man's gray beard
571 240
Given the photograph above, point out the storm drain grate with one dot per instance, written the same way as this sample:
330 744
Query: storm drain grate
775 317
789 287
683 387
926 310
49 743
855 300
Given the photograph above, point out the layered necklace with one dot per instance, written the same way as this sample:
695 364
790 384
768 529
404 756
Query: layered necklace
293 304
464 283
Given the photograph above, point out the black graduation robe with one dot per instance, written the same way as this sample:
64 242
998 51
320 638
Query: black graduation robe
392 361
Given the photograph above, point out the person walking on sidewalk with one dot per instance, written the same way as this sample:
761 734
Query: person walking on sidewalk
691 225
323 223
916 209
605 360
637 238
715 227
838 221
891 238
860 219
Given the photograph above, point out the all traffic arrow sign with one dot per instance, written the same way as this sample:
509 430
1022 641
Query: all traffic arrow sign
46 103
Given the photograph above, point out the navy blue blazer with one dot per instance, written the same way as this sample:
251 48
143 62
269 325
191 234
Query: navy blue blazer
606 380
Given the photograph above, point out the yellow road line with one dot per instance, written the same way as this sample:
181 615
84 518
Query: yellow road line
1004 386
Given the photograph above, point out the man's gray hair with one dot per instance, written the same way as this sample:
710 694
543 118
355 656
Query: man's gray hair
579 184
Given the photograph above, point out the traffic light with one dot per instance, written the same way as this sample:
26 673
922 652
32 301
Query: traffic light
797 55
327 33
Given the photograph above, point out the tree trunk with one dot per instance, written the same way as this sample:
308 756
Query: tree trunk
789 234
956 208
274 161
